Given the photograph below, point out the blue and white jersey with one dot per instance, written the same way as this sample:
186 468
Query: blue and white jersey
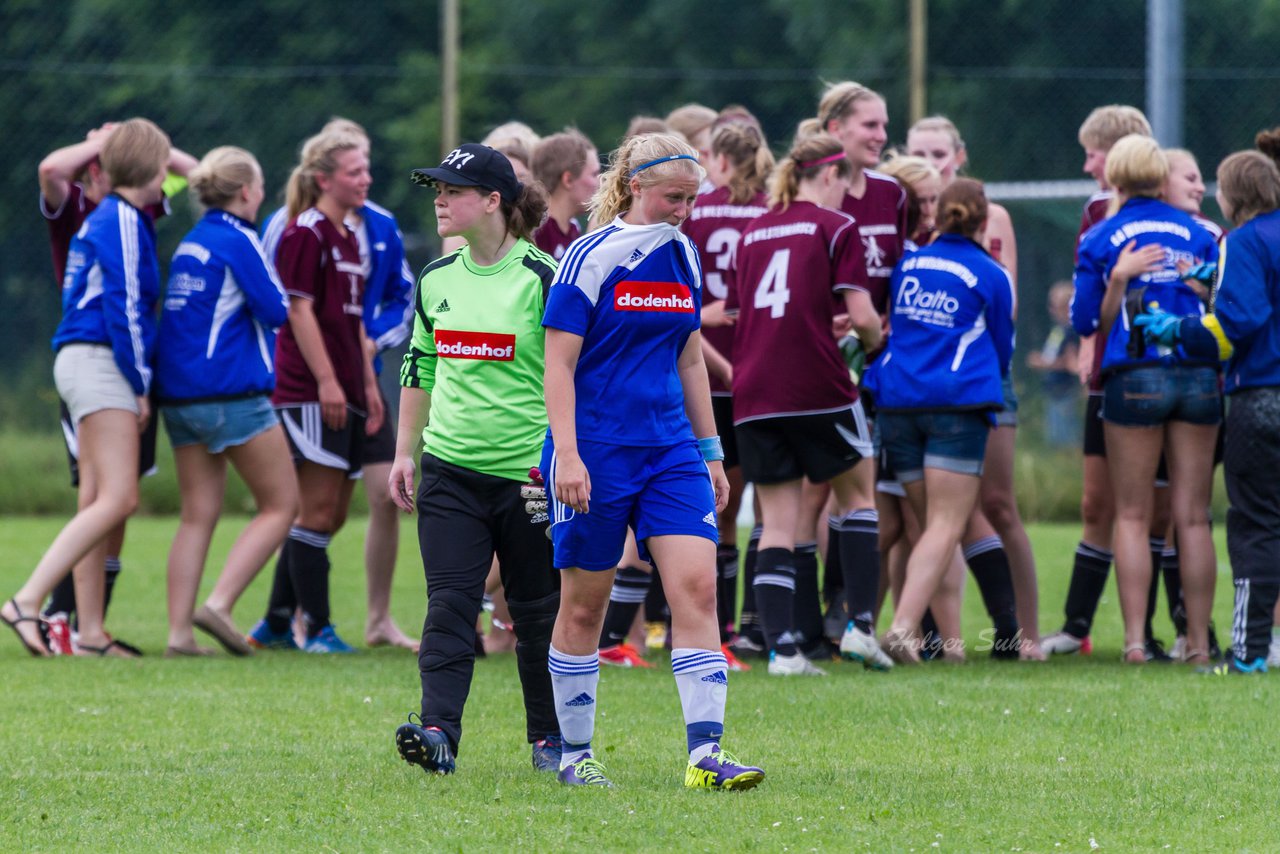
1247 302
110 288
388 288
634 293
221 310
1142 221
951 315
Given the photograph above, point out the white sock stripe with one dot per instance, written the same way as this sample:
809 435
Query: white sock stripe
628 594
1087 550
771 580
1169 551
554 654
869 514
806 548
1156 543
309 537
982 546
1240 619
113 564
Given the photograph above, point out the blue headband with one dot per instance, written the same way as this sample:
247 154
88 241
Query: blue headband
644 166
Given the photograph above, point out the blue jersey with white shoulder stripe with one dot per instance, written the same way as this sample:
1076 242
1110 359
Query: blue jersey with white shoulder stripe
951 315
110 288
634 294
221 310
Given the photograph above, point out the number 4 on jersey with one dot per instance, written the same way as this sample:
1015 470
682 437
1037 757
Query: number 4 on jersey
772 291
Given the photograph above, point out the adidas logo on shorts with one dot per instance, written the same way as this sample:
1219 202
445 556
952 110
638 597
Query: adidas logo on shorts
583 699
710 518
717 678
442 307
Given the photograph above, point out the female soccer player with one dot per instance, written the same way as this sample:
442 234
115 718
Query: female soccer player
326 392
793 265
632 442
1154 399
103 374
936 387
215 371
476 364
568 167
996 544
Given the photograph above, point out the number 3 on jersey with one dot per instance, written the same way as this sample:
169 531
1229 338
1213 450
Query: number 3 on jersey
772 291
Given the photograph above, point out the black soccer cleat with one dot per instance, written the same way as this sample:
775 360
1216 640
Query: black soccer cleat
426 747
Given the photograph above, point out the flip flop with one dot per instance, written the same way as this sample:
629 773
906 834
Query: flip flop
41 651
188 652
209 621
125 650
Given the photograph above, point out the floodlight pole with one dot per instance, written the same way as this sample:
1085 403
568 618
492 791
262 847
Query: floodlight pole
448 76
919 57
1165 71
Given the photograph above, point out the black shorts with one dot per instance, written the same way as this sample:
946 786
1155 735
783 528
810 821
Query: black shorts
146 446
311 440
722 408
789 447
381 446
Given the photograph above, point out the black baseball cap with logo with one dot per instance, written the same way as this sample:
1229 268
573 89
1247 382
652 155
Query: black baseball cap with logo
473 165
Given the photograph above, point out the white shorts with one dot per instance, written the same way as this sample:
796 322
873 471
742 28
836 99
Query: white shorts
89 381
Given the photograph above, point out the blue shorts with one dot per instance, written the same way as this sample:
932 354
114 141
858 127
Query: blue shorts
951 441
218 424
1008 417
654 491
1148 397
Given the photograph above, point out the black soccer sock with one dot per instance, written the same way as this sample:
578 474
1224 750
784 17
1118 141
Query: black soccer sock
533 622
860 564
930 637
655 600
113 575
748 618
990 567
726 590
63 599
1171 568
283 601
1088 579
832 572
775 586
630 586
1255 607
1153 592
309 569
807 608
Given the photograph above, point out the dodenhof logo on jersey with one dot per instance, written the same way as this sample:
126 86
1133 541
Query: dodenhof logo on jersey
486 346
653 296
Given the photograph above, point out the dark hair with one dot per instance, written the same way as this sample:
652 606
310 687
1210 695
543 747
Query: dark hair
749 156
528 211
962 208
1268 142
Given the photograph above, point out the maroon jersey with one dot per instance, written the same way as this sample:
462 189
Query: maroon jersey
790 266
319 263
67 219
881 214
551 240
1095 211
714 227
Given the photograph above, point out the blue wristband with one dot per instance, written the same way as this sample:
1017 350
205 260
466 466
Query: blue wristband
712 449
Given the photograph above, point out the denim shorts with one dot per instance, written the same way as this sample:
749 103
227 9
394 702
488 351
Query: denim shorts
1150 396
1008 417
218 424
950 441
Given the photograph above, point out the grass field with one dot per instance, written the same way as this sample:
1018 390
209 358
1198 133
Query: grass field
288 752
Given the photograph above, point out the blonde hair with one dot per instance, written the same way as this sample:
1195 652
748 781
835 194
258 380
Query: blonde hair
942 124
614 196
220 175
839 101
1249 182
909 169
518 131
962 208
1106 126
749 158
319 157
784 184
338 124
641 125
1137 167
134 153
691 120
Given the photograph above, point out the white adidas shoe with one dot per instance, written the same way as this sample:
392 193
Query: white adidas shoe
1061 643
857 645
793 665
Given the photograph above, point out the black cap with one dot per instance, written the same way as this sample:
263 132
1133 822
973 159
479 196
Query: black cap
474 165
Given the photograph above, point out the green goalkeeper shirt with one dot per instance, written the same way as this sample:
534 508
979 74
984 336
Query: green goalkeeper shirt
478 349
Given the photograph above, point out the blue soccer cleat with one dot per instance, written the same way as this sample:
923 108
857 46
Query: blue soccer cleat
1233 666
426 747
587 771
546 753
261 637
721 770
327 642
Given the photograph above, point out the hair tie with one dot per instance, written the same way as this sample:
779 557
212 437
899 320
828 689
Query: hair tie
644 166
831 158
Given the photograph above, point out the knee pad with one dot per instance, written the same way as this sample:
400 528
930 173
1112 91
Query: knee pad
533 620
451 626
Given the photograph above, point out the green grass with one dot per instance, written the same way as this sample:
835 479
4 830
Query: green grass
293 752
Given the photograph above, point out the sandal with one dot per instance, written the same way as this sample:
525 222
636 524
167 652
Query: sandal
188 652
1134 653
39 650
113 649
1197 656
220 629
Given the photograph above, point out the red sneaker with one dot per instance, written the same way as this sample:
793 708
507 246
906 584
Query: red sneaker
733 661
1086 646
622 655
59 629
